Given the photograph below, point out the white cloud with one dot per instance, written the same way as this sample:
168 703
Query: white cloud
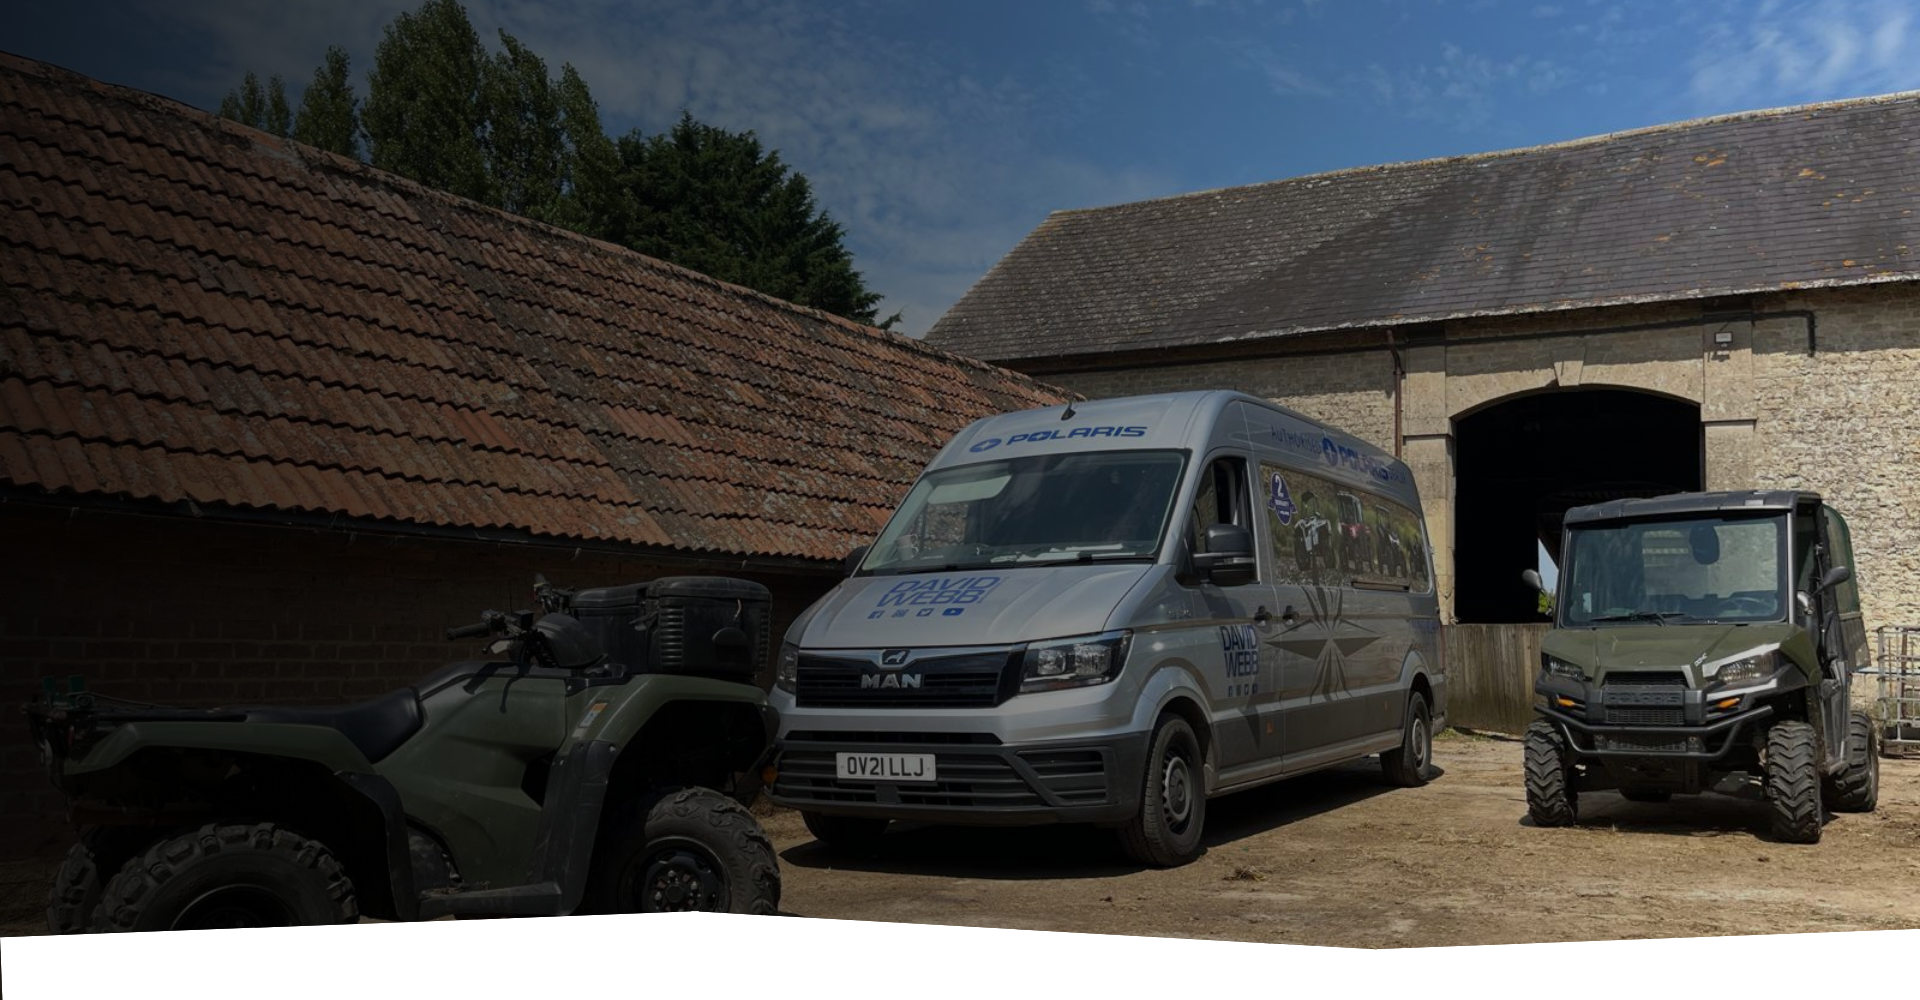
1772 54
1462 89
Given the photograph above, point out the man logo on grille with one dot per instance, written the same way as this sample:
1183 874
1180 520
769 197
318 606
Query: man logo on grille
895 657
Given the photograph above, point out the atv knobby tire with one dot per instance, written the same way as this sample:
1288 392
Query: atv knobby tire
693 849
847 834
1173 800
1793 782
1857 787
1407 765
230 874
1551 798
100 854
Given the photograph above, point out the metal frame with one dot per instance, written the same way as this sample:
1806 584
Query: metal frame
1896 666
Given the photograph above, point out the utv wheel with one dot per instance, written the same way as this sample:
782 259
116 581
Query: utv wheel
1551 797
1407 764
849 834
1857 787
694 849
229 875
1793 783
1173 800
100 854
1645 794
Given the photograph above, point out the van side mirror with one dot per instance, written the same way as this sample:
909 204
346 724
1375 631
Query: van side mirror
1228 560
1835 577
1532 579
853 561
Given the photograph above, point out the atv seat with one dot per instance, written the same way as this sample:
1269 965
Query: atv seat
377 727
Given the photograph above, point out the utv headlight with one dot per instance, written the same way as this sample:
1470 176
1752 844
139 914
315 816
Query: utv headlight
1556 667
1743 671
787 671
1076 662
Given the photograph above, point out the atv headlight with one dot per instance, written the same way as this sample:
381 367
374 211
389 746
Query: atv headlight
1557 667
1752 668
787 671
1076 662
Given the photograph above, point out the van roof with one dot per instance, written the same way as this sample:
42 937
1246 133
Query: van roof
1691 503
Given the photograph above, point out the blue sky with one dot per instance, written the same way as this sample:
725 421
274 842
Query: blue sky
939 134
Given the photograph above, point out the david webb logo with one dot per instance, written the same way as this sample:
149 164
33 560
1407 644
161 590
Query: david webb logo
948 596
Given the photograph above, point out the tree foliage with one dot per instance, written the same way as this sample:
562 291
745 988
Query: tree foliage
495 128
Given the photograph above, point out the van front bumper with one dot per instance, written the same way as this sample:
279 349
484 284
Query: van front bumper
979 780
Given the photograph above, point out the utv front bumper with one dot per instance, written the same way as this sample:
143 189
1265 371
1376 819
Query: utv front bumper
1671 721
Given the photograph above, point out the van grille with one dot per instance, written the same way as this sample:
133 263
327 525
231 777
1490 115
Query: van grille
966 680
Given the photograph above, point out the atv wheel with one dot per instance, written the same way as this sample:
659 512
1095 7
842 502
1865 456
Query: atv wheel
1551 797
99 855
229 875
852 834
694 849
1857 787
1645 794
1793 783
1173 800
1406 765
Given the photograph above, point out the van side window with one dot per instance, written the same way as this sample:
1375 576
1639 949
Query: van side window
1326 533
1221 499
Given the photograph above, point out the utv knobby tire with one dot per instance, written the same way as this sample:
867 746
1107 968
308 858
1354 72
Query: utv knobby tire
1857 787
847 834
100 854
1551 797
1173 800
692 849
1793 782
229 874
1407 765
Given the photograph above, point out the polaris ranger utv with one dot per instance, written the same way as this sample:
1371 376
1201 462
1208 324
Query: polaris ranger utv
596 761
1704 641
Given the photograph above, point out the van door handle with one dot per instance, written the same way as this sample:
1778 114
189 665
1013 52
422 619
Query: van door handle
1261 616
1287 615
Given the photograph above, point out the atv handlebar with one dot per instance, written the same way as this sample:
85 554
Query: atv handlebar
474 631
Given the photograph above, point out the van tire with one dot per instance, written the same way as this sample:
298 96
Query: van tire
1857 787
1551 797
1173 799
1793 783
1408 764
847 834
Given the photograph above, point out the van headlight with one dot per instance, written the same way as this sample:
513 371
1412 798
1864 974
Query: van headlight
1557 667
1077 662
1745 670
786 672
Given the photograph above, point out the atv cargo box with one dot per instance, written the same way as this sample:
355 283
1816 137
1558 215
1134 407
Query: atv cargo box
712 626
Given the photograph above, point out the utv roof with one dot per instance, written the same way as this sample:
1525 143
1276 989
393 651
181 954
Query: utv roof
1691 503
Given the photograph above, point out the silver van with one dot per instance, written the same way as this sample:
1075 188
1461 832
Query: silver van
1108 612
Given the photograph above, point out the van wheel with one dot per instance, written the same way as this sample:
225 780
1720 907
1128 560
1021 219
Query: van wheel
1173 800
100 854
1551 798
852 834
229 875
1857 787
1407 764
1793 783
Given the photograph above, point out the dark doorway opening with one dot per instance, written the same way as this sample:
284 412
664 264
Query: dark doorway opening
1520 465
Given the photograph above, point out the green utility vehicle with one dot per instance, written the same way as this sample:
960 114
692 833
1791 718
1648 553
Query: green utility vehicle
1704 641
597 762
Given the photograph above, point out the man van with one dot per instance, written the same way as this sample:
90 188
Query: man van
1109 612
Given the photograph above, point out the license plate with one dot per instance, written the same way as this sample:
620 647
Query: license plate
884 766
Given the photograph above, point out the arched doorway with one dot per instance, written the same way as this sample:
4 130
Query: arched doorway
1521 463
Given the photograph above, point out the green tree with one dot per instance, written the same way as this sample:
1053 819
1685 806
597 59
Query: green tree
591 199
425 113
523 143
264 109
715 201
329 115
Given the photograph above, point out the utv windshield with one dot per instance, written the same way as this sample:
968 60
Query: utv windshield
1034 509
1681 569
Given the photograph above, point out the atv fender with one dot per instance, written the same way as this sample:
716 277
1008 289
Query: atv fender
319 744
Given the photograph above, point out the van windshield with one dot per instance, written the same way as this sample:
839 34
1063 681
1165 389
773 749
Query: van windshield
1680 569
1034 509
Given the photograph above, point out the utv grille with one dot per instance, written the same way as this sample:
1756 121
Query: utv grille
1674 716
1660 678
1671 744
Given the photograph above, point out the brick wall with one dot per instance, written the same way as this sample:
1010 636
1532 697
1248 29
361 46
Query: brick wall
173 610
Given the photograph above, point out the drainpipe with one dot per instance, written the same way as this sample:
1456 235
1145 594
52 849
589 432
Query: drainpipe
1399 387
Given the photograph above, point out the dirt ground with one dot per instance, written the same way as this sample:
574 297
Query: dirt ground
1340 858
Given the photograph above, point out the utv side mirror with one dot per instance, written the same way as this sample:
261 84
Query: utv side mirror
853 560
1228 560
1532 579
1835 577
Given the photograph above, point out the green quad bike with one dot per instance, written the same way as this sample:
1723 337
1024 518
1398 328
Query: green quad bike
1704 641
599 763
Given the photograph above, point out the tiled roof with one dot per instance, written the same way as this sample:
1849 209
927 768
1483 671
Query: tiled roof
195 311
1811 196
